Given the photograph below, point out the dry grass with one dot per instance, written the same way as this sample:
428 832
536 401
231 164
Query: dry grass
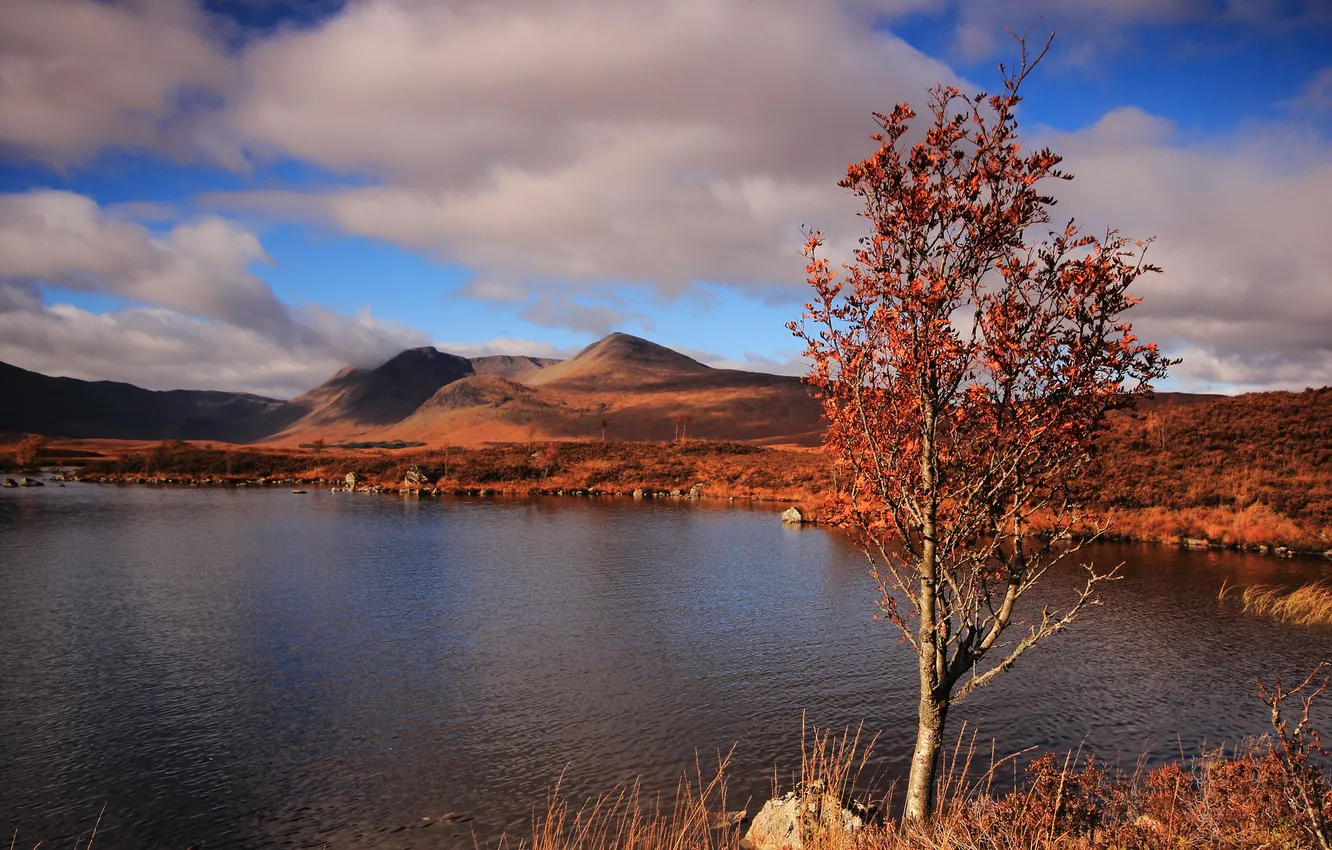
698 817
1239 799
1252 526
1310 605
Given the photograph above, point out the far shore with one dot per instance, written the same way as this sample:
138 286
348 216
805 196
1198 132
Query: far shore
734 472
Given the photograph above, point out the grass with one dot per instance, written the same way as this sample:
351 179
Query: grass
1141 490
1240 799
1309 605
698 817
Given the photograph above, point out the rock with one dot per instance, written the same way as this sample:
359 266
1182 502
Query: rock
696 491
298 492
638 494
792 819
9 482
1282 552
30 482
793 516
415 479
351 480
1149 823
1193 543
1328 554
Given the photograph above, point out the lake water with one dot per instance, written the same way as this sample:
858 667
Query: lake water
252 668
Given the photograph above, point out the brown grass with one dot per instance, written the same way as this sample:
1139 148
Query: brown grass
1239 799
1310 605
1245 472
698 817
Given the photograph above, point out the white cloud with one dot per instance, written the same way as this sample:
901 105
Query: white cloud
207 321
157 348
559 149
644 142
1245 297
77 77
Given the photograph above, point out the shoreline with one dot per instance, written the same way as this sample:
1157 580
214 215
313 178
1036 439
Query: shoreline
808 503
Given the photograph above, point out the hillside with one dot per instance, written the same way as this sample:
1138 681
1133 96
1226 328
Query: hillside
623 362
1255 466
69 407
621 386
356 400
515 368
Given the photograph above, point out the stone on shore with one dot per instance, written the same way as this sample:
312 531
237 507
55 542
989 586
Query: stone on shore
415 479
792 819
30 482
793 516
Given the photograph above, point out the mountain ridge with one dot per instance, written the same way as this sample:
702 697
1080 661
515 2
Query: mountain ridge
621 387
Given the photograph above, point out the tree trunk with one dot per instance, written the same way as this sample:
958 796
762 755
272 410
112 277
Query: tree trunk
925 760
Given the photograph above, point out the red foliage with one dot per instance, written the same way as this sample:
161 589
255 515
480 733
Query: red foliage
965 367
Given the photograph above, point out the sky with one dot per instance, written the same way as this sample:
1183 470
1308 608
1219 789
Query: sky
249 194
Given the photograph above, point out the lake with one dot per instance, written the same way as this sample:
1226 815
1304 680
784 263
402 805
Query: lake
252 668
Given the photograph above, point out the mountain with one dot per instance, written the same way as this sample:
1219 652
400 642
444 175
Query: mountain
69 407
621 361
622 387
515 368
354 400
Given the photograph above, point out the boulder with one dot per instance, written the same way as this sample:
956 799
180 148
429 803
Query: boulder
30 482
351 480
9 482
1193 543
415 479
696 491
638 494
793 516
789 821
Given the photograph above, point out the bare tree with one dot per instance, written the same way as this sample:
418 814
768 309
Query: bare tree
682 421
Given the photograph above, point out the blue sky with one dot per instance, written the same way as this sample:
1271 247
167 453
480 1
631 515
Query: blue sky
246 195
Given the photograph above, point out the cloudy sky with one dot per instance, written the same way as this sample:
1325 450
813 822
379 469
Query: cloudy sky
248 194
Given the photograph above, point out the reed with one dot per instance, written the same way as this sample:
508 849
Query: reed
697 817
1309 605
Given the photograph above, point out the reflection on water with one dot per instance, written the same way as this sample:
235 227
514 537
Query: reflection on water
255 668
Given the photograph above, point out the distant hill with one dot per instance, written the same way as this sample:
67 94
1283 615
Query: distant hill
624 362
355 400
622 386
515 368
625 387
68 407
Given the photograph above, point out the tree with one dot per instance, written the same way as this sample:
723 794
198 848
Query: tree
965 368
682 421
318 445
30 448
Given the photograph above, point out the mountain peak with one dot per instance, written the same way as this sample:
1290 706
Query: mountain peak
623 359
